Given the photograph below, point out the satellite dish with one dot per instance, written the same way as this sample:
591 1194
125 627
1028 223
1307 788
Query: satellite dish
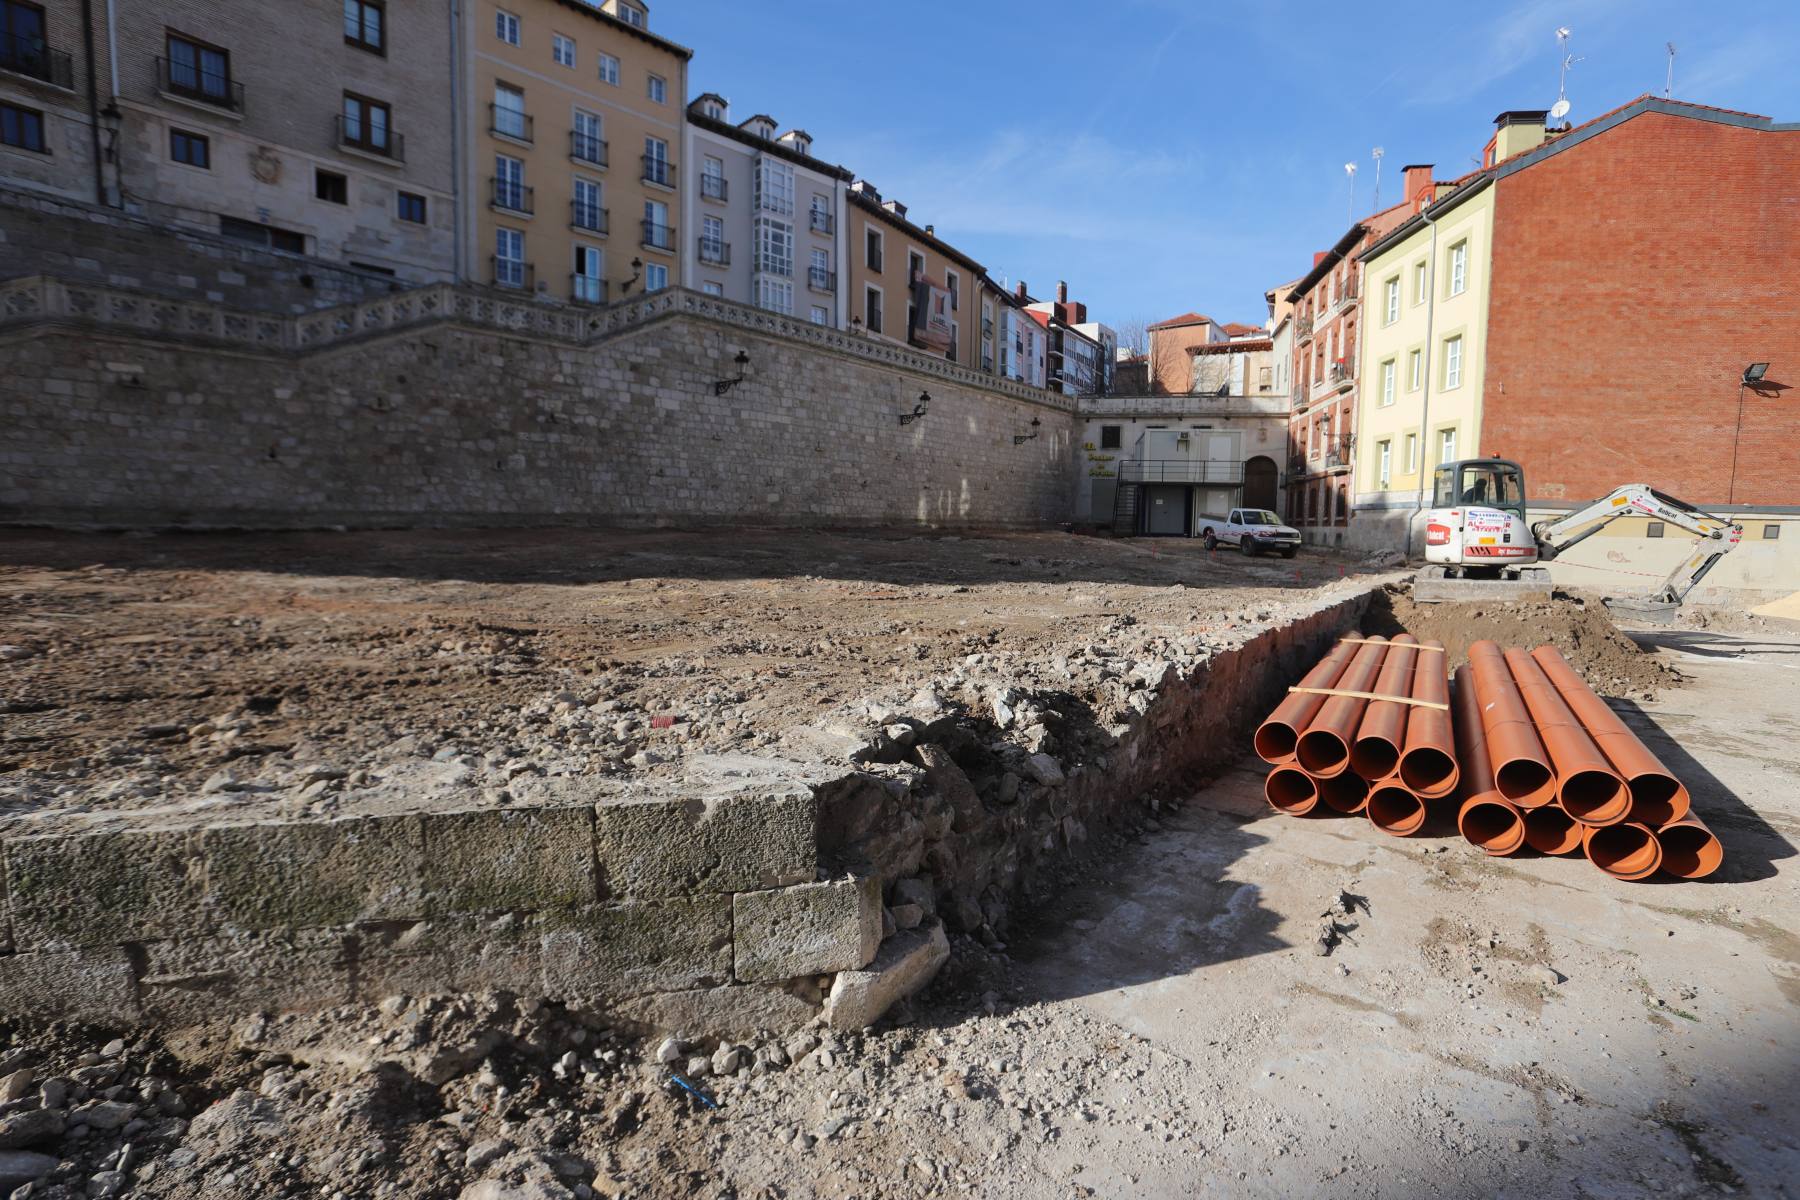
1559 110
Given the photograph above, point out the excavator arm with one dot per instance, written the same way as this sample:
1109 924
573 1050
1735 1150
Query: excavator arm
1716 536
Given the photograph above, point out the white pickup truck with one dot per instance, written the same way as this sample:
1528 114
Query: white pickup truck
1251 530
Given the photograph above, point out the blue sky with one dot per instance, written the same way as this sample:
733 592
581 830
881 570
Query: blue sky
1168 155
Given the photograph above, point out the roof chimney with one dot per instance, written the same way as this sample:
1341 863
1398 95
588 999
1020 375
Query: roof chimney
1021 292
1518 131
897 208
1419 188
1062 292
932 230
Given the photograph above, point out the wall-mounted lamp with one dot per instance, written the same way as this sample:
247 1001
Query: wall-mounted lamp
1753 374
720 387
637 273
856 326
919 409
1019 439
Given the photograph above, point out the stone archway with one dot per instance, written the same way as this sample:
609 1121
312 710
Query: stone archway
1260 479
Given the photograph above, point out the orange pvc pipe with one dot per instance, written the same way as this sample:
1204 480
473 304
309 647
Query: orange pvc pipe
1347 792
1275 737
1291 790
1624 850
1550 830
1394 808
1379 739
1522 771
1689 849
1657 797
1486 818
1428 765
1324 748
1586 785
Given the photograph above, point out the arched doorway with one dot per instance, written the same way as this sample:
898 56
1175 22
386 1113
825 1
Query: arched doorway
1260 479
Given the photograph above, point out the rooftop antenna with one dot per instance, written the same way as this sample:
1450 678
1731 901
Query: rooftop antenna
1562 78
1350 170
1376 154
1669 84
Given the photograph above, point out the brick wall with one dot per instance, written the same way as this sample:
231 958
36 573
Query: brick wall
1635 276
449 424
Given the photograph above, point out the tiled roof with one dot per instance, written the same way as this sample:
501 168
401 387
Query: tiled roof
1191 318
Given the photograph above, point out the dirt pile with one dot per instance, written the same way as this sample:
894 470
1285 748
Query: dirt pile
1611 662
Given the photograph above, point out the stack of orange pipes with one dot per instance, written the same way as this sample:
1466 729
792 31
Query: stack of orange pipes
1531 755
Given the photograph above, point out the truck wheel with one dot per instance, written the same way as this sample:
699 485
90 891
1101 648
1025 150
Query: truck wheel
1211 542
1247 544
1290 551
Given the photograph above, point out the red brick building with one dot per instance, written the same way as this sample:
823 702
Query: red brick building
1641 262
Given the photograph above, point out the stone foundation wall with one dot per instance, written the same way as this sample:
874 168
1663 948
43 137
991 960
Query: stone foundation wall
451 406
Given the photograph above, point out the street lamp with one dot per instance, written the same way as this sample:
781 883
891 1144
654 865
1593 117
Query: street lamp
722 386
1751 378
919 409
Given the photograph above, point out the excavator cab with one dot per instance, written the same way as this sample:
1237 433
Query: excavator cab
1484 482
1476 528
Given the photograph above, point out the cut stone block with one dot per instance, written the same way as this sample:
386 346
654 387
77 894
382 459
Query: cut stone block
743 842
100 888
508 859
197 978
326 873
907 962
714 1012
627 949
85 985
811 929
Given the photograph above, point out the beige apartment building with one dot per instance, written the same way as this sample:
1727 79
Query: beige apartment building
312 128
572 120
907 285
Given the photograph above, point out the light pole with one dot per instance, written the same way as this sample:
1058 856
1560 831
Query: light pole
1752 377
1377 154
1350 170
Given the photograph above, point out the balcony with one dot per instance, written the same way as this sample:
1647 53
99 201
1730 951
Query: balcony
715 252
1224 471
659 171
508 195
714 187
29 56
511 273
510 123
987 327
824 222
821 280
587 289
1340 372
588 217
360 137
1328 454
586 148
658 237
186 81
1303 329
987 363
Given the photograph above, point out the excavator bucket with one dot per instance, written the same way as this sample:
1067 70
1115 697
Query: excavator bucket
1643 608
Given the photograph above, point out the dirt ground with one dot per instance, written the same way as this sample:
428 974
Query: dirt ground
289 674
1525 1027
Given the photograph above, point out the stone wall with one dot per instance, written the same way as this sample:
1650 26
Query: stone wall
755 895
447 406
46 235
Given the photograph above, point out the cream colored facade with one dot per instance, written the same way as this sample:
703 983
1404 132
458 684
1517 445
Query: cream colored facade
1424 331
572 138
883 253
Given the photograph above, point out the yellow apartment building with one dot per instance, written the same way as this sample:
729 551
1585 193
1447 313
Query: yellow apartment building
571 131
1425 303
909 286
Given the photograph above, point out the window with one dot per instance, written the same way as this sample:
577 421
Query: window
657 233
630 15
1384 463
1415 370
1412 453
1459 268
562 49
509 183
506 27
1771 532
1387 382
365 25
331 187
509 112
1453 364
774 186
656 162
915 266
821 315
774 246
712 179
713 288
190 148
1446 446
1392 296
1653 529
509 258
199 70
872 309
656 277
588 284
776 295
254 234
658 90
819 274
821 214
1419 285
712 240
366 123
1111 436
609 70
22 127
586 210
872 249
954 286
585 141
412 208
